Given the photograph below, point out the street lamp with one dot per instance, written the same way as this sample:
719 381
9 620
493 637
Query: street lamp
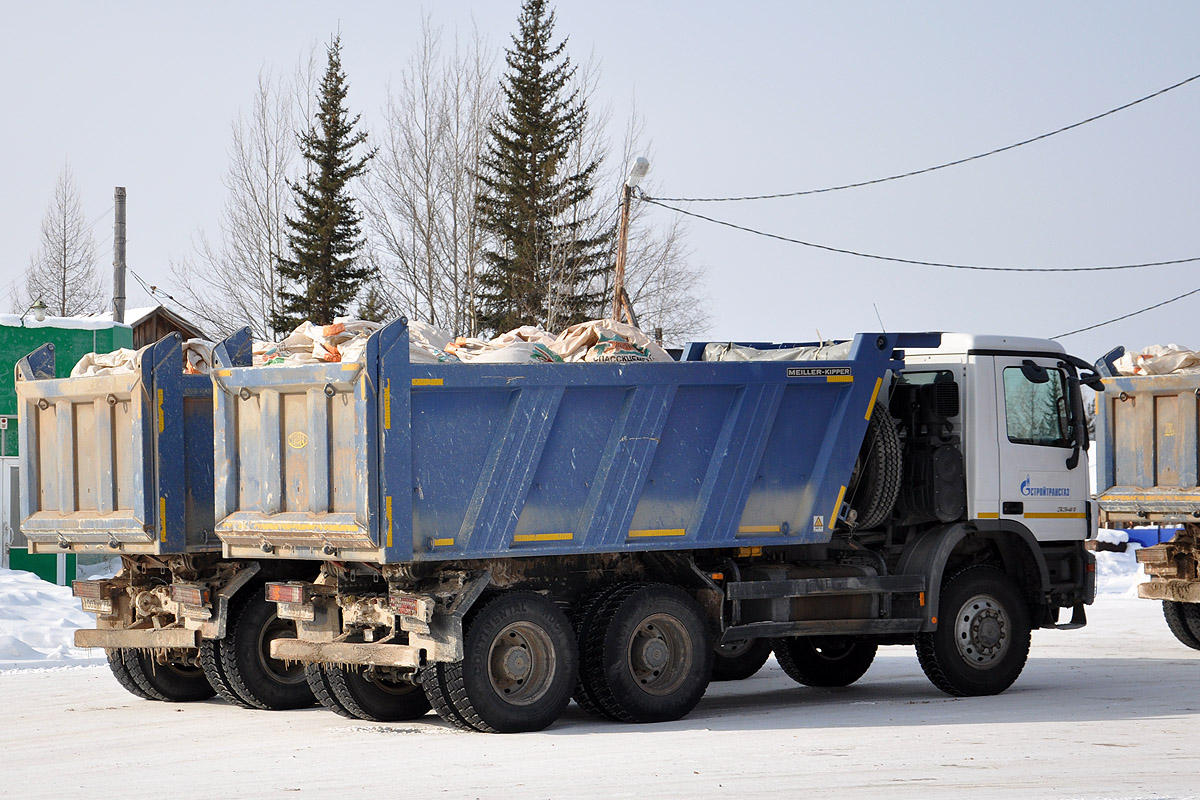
636 172
39 312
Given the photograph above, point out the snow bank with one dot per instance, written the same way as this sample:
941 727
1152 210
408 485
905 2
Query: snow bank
38 619
38 622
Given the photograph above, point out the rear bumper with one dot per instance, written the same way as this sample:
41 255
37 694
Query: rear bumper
138 639
374 654
1176 591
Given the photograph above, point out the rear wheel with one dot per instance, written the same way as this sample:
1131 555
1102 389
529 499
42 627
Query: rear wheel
648 655
824 661
735 661
433 683
245 654
214 671
1184 621
519 665
120 671
369 694
318 683
583 617
175 681
982 639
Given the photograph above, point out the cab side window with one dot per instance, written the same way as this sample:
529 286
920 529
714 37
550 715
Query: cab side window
1037 412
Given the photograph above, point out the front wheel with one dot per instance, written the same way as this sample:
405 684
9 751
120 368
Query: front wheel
982 639
828 661
1184 621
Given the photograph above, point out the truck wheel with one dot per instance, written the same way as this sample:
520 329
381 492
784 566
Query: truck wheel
172 682
433 682
875 484
735 661
120 671
825 661
245 652
519 665
648 655
375 697
318 683
982 638
583 616
1184 621
210 662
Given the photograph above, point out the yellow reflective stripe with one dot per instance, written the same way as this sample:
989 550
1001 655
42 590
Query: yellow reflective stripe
426 381
224 373
543 537
760 529
839 379
316 527
162 513
988 515
874 396
833 518
443 542
657 532
1050 515
388 503
161 421
387 404
351 367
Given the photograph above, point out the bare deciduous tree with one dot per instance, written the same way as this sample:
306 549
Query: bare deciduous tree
62 273
419 197
234 281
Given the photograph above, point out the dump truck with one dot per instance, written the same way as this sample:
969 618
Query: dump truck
121 464
1147 461
493 540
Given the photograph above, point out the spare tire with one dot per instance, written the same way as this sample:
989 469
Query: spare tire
875 484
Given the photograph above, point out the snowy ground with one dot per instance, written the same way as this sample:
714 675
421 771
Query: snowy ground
1110 711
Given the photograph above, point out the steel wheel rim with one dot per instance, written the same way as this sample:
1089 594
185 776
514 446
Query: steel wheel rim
982 631
735 648
660 654
279 671
521 663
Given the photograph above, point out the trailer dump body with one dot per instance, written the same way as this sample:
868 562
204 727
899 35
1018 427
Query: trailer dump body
393 461
117 462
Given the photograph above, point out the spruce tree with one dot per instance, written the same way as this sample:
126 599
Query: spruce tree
324 274
544 250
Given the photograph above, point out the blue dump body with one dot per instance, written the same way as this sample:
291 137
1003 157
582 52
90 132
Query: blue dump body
1148 456
117 462
392 461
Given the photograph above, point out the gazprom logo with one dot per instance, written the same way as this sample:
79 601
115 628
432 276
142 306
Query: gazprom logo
1029 490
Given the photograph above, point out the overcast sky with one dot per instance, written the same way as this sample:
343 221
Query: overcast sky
739 98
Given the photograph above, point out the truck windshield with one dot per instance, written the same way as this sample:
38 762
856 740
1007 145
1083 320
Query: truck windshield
1037 413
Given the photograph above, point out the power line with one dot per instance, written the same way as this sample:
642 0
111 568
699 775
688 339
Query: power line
917 262
925 170
154 291
1127 316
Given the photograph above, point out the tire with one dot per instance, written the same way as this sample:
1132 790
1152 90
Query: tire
210 662
824 661
262 681
982 639
175 683
875 484
736 661
374 697
583 616
1184 621
120 671
520 663
648 655
318 683
433 682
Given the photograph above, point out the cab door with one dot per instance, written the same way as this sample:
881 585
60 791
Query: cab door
1040 487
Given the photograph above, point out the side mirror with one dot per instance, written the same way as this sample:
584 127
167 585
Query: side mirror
1034 373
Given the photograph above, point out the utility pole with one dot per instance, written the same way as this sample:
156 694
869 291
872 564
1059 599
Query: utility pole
119 255
620 298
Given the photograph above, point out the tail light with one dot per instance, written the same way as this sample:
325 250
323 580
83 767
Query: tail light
190 594
93 590
287 593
